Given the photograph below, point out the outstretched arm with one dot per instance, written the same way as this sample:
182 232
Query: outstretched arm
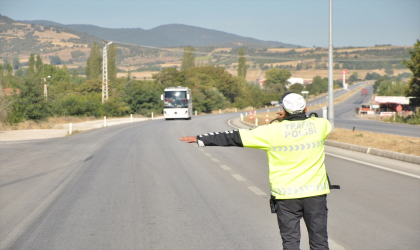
224 139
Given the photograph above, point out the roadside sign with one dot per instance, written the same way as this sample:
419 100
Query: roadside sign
304 92
344 72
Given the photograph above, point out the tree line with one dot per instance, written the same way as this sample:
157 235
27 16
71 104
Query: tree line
212 88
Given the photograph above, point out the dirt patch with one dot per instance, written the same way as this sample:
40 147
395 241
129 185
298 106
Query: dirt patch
49 34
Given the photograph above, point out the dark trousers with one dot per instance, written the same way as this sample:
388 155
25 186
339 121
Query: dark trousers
314 212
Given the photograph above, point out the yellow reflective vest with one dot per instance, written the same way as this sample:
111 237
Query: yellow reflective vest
295 151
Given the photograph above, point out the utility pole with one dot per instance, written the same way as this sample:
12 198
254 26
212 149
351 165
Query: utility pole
330 75
105 72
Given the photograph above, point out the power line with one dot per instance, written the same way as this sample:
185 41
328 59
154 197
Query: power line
254 57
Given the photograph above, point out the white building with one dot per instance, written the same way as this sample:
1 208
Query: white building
294 80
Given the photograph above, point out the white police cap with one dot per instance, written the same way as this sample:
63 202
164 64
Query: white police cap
293 103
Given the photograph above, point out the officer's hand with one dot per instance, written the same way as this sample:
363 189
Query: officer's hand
189 139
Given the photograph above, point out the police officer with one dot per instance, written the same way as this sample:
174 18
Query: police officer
298 178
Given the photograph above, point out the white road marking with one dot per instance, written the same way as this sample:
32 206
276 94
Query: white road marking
230 123
207 154
238 177
334 245
215 160
225 167
375 166
201 149
256 190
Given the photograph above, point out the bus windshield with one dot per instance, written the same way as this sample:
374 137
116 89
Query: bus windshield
175 99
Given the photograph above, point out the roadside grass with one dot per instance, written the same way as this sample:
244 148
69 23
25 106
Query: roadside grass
50 123
57 122
413 119
74 132
394 143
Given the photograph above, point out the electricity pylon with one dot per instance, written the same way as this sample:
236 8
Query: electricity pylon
105 72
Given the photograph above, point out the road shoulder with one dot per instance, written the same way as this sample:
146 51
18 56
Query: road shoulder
37 134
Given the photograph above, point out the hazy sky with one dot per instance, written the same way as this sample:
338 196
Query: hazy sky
300 22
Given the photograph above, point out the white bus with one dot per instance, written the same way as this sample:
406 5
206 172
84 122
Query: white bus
177 103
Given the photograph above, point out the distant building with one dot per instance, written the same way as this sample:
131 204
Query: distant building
294 80
302 81
307 82
388 105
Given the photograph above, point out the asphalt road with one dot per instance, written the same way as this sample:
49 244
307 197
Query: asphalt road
345 115
136 186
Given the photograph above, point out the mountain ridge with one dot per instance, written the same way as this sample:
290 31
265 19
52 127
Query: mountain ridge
167 35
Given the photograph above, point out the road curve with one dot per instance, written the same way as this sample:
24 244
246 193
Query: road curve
345 115
136 186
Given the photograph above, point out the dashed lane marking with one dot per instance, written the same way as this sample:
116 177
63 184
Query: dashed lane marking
238 177
334 245
225 167
207 154
256 190
215 160
201 149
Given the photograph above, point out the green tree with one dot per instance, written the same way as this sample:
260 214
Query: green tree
19 73
1 77
112 66
16 63
254 96
143 98
9 70
31 69
318 85
372 76
30 103
391 88
276 79
38 65
170 77
91 85
188 60
94 63
297 88
354 77
74 73
55 60
128 77
413 87
242 64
